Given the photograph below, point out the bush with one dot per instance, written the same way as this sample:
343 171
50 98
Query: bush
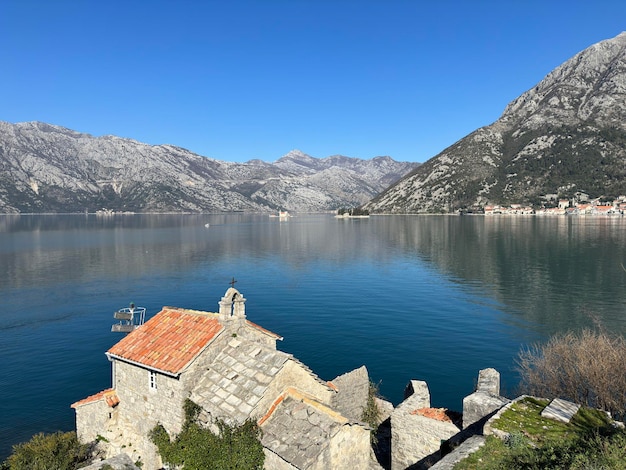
57 451
588 368
372 415
197 448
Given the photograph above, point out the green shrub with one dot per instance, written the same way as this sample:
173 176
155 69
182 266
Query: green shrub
57 451
197 448
371 413
589 441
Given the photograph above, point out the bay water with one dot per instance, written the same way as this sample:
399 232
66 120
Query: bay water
434 298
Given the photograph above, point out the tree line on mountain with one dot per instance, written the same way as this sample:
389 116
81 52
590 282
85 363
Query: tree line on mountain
578 159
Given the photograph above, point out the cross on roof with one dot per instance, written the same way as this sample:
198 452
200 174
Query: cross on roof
232 283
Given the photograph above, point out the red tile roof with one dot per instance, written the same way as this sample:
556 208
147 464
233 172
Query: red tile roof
439 414
109 395
170 340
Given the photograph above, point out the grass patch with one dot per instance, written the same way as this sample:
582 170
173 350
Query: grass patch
534 442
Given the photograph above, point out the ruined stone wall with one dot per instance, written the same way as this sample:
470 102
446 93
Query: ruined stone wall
353 391
275 462
414 436
349 448
485 400
294 375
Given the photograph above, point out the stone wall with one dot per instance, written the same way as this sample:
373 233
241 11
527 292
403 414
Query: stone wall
275 462
93 419
413 436
349 449
293 374
255 334
141 408
485 400
119 462
352 393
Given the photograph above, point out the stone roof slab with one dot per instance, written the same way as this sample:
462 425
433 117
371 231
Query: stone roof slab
239 376
560 410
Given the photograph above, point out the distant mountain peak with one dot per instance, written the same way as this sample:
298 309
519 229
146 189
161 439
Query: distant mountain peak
48 168
566 134
295 153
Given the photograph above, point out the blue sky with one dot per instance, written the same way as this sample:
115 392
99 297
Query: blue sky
238 79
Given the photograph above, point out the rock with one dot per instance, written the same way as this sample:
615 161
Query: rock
119 462
485 400
560 410
551 139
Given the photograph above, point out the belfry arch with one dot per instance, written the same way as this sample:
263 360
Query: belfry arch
232 305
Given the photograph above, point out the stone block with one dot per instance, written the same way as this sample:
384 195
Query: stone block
415 437
463 451
489 381
419 393
118 462
478 405
560 410
485 400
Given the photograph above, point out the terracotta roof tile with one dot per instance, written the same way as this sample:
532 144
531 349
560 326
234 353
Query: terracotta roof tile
170 340
109 395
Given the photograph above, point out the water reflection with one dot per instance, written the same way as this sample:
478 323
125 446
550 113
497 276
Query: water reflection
433 298
555 271
551 271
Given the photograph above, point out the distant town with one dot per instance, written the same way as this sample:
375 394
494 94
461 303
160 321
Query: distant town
580 204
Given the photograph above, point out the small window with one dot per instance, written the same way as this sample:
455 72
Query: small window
153 380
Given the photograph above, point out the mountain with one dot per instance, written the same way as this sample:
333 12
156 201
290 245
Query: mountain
567 134
47 168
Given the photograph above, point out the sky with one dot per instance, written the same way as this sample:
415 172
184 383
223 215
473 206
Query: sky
236 80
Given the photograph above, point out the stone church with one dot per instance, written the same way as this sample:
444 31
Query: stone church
232 369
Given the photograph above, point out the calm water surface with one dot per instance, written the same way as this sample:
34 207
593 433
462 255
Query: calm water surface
412 297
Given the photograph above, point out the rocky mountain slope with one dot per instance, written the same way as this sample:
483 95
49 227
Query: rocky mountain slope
566 134
47 168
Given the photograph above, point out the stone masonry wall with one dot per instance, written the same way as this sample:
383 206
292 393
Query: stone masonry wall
413 436
275 462
141 408
92 419
144 406
485 400
292 374
349 448
353 391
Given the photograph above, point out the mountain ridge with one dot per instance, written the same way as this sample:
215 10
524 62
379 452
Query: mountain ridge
566 134
49 168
